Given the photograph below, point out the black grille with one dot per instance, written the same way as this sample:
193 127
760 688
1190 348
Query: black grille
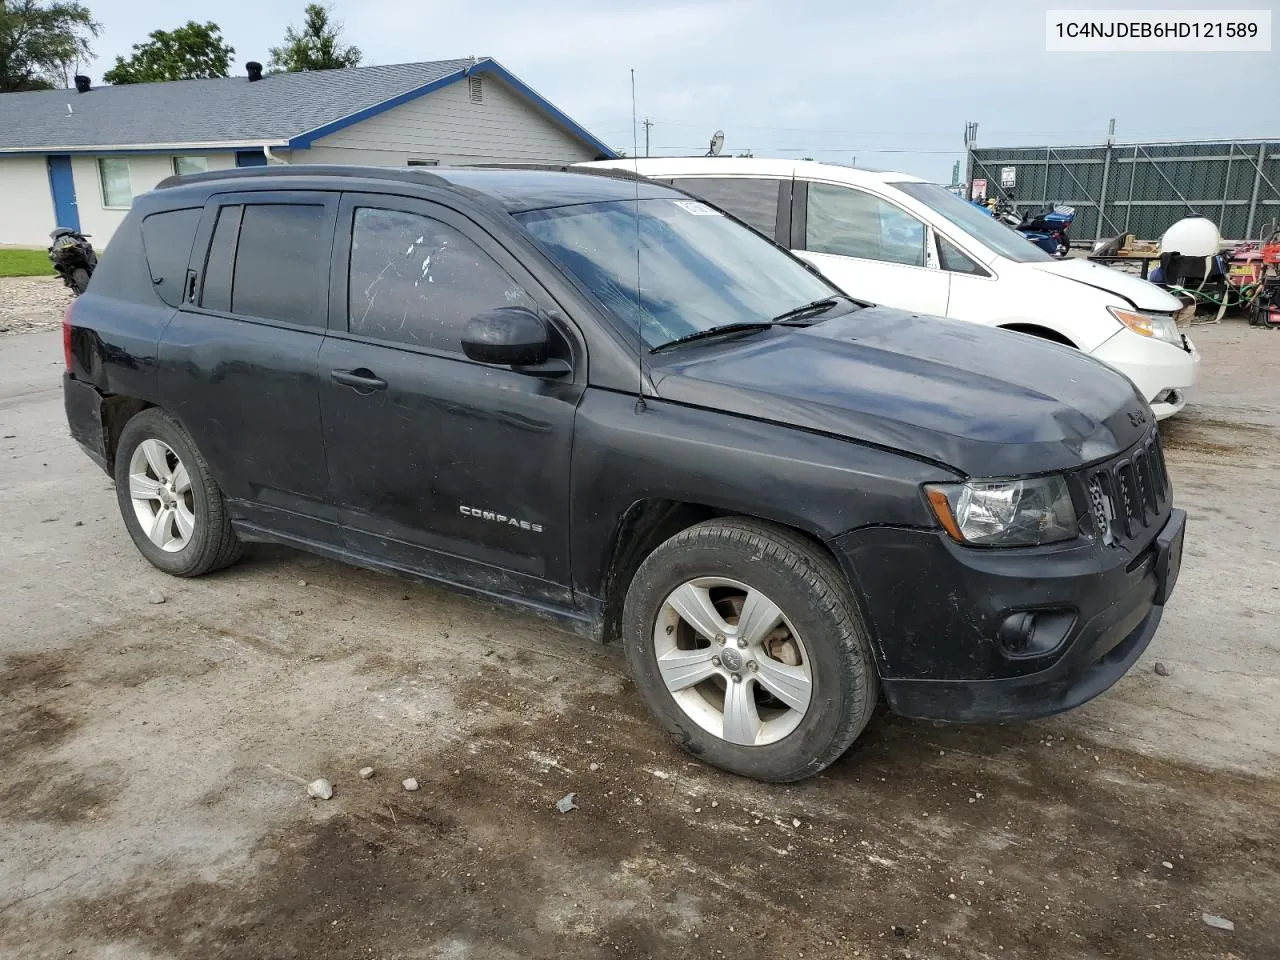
1129 494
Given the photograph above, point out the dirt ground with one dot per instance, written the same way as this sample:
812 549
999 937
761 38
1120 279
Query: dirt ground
154 756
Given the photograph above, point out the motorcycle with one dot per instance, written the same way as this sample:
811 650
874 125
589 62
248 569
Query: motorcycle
1047 229
73 258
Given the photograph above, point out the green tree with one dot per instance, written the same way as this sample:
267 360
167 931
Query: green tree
317 46
195 51
40 42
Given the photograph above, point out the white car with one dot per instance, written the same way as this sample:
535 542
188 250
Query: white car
895 239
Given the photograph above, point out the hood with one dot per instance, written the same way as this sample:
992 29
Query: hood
1141 293
985 402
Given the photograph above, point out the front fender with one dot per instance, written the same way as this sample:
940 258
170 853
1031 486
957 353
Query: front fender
726 464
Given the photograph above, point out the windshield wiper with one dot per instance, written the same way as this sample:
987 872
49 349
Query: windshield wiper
805 310
722 330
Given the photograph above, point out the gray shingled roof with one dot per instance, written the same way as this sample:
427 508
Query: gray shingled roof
232 110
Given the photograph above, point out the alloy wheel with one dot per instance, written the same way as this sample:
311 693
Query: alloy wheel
160 490
732 661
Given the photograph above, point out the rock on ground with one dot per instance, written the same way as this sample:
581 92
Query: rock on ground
32 303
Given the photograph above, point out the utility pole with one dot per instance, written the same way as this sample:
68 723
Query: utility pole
647 124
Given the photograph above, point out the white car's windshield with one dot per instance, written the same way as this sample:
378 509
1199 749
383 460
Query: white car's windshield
697 268
986 229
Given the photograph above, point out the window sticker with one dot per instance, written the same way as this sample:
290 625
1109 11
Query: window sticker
698 208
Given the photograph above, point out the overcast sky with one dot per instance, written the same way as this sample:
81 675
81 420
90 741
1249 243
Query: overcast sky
891 84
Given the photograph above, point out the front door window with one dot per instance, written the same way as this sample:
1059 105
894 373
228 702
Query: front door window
852 223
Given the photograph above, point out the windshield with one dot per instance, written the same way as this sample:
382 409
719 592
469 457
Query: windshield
987 230
698 269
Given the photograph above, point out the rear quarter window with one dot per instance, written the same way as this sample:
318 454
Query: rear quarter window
166 243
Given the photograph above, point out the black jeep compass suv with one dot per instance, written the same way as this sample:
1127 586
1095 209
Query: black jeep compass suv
607 402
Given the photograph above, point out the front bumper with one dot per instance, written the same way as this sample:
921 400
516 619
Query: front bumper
1155 366
938 615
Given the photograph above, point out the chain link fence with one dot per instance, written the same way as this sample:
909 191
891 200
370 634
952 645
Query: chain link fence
1141 188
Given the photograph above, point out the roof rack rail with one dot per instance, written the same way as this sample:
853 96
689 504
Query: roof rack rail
611 172
284 171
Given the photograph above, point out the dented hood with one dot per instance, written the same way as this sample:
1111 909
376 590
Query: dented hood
1143 294
985 402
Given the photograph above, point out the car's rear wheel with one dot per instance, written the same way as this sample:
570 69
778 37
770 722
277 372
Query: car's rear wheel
746 645
171 505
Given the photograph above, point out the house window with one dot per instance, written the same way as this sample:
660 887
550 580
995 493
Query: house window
477 90
184 165
117 182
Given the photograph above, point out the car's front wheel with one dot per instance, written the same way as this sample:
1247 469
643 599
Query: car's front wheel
171 505
746 645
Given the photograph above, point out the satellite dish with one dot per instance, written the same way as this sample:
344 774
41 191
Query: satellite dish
717 144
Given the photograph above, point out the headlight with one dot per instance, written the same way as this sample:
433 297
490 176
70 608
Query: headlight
1149 324
1005 513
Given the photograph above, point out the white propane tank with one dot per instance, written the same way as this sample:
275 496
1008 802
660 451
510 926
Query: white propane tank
1192 237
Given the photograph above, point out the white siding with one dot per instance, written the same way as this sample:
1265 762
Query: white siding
446 126
145 170
26 204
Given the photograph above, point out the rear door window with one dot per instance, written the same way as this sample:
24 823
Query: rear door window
754 201
216 293
282 263
166 241
270 260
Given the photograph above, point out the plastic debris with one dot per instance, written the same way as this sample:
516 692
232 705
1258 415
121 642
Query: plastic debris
1218 923
565 803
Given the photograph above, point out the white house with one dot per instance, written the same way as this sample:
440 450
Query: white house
76 158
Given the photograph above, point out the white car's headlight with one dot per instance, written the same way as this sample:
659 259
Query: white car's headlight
1005 513
1161 327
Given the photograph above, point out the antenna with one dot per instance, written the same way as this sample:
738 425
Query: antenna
717 144
635 161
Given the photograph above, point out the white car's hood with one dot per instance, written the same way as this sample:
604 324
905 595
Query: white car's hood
1141 293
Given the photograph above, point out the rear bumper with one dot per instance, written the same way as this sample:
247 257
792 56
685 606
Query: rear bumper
83 404
939 613
1155 366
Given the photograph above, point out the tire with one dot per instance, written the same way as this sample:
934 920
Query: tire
819 628
195 536
79 280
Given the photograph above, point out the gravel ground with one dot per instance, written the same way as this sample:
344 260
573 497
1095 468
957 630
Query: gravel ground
28 304
154 758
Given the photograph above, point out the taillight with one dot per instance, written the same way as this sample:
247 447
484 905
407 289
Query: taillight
66 335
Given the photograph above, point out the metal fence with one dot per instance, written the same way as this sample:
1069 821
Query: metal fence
1141 188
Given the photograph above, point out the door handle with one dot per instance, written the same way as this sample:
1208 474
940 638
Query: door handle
359 379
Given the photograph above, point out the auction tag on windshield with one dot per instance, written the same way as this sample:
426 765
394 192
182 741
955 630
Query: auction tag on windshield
697 208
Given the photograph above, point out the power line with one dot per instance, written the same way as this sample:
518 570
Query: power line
852 150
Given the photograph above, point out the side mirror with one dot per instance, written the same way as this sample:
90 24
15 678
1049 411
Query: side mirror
512 336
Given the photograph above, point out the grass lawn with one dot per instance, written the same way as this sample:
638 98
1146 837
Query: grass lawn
25 263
